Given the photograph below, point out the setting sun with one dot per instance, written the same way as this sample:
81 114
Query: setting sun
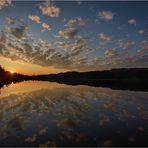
12 72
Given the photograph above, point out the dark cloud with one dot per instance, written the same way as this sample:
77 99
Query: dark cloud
19 32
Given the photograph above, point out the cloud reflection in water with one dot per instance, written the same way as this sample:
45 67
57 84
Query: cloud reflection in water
62 115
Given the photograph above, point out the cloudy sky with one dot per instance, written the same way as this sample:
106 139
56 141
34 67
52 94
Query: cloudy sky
39 37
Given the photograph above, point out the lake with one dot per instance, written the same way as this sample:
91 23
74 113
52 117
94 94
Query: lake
36 113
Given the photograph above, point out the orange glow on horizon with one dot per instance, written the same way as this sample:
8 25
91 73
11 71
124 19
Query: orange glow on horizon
27 68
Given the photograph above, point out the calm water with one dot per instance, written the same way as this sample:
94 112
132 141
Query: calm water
52 114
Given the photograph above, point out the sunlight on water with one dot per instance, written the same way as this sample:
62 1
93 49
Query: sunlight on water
37 113
28 86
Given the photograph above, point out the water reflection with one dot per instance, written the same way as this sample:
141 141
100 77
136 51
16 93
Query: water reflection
52 114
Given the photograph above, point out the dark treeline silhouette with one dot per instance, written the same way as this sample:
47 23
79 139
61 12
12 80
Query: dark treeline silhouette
120 74
125 79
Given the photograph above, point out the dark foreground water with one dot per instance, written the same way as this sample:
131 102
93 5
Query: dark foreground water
52 114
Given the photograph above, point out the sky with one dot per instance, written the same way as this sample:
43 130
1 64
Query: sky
39 37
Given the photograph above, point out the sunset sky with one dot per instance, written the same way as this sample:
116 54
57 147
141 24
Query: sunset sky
38 37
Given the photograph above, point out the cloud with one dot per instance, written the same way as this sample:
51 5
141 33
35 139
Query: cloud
125 44
17 21
70 50
72 23
143 48
16 28
3 42
39 52
69 33
10 20
96 61
19 32
106 15
132 22
111 53
49 9
63 45
104 37
73 27
35 18
42 53
31 139
75 51
81 21
82 61
4 3
141 31
143 60
79 2
3 38
45 27
76 22
27 47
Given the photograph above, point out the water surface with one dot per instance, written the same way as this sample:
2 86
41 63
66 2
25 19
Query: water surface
36 113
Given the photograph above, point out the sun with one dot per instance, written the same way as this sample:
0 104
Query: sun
12 72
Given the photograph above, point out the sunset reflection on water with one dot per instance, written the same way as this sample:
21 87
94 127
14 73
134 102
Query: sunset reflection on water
27 86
